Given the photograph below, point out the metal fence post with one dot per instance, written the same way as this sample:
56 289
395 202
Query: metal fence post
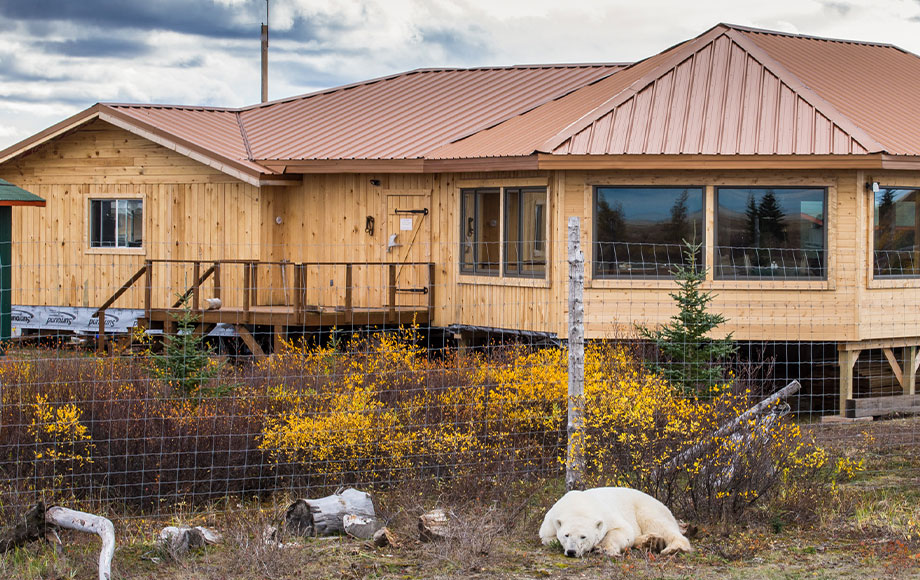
575 452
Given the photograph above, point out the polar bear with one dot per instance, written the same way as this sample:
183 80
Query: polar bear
612 519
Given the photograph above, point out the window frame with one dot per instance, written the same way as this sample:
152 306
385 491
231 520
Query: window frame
595 275
504 233
500 272
92 244
825 234
872 248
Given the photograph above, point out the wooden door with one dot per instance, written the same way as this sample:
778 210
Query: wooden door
409 245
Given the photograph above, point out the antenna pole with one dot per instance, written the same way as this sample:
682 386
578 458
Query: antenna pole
265 56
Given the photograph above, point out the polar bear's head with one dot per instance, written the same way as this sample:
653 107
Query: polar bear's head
579 535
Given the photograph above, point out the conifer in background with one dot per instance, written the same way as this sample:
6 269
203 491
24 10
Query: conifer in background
185 362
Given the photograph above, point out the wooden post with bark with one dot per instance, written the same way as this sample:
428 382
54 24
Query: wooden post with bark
575 453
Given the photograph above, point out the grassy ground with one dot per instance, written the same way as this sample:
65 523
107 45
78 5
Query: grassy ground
872 532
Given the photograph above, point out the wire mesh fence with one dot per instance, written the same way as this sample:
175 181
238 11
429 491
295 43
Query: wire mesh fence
229 378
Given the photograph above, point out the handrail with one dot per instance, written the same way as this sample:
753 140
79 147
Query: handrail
124 288
283 262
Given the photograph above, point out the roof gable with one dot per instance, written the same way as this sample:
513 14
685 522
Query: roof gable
718 94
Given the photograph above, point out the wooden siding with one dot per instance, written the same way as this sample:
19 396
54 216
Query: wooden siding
193 212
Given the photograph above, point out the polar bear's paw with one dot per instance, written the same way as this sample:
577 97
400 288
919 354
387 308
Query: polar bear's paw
652 543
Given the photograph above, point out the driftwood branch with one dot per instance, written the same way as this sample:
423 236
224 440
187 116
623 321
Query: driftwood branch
786 391
93 524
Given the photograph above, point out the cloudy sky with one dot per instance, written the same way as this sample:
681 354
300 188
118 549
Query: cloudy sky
58 57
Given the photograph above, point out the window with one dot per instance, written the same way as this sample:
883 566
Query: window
639 231
896 233
770 233
116 223
523 234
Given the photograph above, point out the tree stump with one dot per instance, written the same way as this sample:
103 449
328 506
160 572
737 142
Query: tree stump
324 516
31 528
433 526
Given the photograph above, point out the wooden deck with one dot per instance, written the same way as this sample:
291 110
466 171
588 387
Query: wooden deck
396 304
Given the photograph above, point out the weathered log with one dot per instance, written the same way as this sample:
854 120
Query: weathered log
361 527
90 523
324 516
433 526
29 529
786 391
179 539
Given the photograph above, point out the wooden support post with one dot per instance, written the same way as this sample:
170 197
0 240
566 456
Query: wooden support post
254 280
278 339
196 289
100 338
575 456
391 293
148 287
431 272
910 370
299 292
847 360
217 282
247 286
349 309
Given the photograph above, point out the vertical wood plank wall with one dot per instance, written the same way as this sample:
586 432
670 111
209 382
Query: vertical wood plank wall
197 213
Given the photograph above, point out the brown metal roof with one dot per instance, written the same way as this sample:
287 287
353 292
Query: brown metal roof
718 94
214 130
405 116
876 86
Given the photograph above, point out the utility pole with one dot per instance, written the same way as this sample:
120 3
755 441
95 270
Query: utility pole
265 55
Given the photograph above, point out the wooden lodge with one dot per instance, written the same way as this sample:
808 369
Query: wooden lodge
385 202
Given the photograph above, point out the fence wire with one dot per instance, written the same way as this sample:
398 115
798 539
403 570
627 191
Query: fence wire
249 378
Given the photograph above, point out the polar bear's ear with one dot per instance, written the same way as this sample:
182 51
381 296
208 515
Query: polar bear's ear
599 524
558 524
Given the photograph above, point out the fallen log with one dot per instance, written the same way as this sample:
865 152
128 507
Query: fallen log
90 523
177 540
324 516
786 391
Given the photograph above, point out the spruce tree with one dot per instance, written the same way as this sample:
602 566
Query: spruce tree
691 358
186 360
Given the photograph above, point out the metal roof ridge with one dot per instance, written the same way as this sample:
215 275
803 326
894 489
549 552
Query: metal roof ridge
165 106
682 52
806 93
809 36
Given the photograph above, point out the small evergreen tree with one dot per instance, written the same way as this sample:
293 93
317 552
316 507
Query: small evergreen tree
693 357
185 362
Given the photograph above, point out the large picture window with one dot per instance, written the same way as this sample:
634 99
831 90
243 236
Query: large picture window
771 233
896 239
639 231
116 223
522 235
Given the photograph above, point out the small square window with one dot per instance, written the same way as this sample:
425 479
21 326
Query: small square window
116 223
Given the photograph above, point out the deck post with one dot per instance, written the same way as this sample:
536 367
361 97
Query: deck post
100 338
247 286
298 292
431 272
254 280
196 288
847 360
349 307
217 280
391 293
148 288
910 370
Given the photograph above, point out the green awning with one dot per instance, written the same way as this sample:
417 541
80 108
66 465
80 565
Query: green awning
13 195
